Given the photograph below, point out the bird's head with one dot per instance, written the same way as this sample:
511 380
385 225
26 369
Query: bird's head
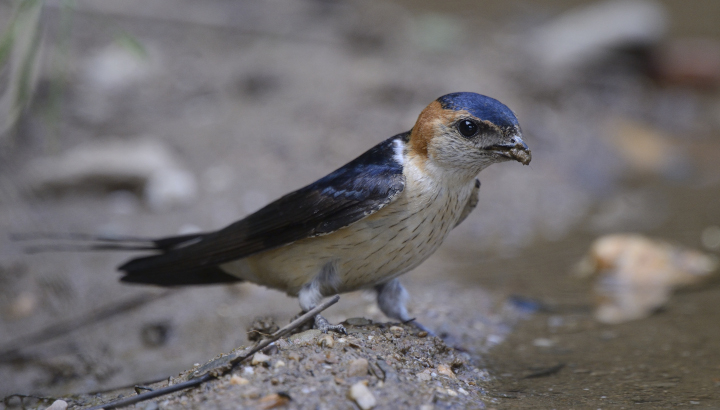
466 132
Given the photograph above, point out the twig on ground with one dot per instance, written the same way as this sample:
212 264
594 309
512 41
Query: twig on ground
227 366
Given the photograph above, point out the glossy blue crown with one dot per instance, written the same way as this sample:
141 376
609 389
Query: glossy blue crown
482 107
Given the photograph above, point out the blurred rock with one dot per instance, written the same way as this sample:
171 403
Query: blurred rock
123 202
445 370
589 34
238 381
218 178
710 237
630 209
362 396
274 400
692 62
305 337
142 164
260 358
58 405
424 376
636 275
397 331
23 305
109 77
646 149
326 341
358 367
170 188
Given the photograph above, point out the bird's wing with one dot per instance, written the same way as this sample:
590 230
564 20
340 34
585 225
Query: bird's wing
349 194
471 203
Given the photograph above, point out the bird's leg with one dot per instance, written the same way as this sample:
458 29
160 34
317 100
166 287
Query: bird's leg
391 298
309 297
323 325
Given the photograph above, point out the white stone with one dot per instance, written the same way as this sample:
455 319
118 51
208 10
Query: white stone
170 188
259 358
361 395
145 163
58 405
358 367
424 376
588 33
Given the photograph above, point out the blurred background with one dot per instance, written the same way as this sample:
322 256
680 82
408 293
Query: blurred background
153 118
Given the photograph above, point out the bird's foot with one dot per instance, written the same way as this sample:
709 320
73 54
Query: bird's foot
323 325
419 326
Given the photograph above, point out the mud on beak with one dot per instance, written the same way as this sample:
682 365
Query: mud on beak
515 149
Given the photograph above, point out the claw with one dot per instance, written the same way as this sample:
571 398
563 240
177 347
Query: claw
323 325
419 326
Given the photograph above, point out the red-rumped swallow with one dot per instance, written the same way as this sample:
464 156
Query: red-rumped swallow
361 226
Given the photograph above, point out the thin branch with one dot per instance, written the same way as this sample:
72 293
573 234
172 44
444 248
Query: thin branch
226 366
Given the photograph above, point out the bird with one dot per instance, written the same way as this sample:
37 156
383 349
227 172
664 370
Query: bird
359 227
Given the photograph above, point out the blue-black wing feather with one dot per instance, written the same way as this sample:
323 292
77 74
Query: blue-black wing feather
352 192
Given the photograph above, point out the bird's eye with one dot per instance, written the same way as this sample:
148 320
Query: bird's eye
467 128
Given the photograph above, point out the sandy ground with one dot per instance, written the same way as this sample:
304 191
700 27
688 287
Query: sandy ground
255 103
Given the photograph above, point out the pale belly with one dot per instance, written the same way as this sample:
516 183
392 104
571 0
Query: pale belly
372 251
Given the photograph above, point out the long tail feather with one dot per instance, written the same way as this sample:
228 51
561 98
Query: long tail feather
136 270
80 242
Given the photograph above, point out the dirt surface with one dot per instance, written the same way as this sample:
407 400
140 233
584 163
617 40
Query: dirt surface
401 367
256 101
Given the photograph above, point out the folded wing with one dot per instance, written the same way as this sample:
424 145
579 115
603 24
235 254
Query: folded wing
349 194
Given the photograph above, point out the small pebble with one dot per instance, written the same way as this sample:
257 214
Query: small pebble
710 237
451 392
543 342
260 358
293 356
422 333
445 369
358 367
251 393
236 380
362 396
397 331
151 406
248 370
463 391
272 401
305 337
58 405
331 358
326 341
279 363
23 306
424 376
